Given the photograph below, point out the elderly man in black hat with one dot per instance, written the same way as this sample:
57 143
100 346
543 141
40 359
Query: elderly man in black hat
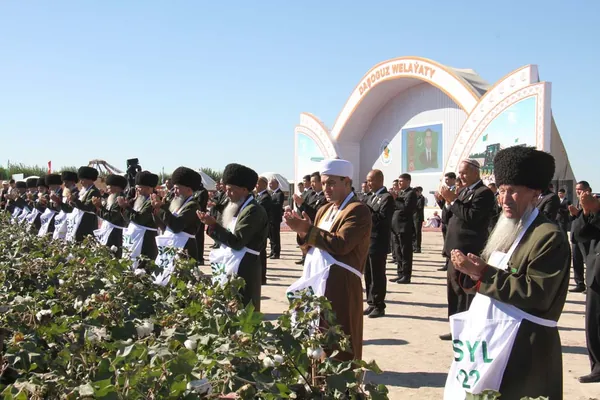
110 232
243 233
18 203
54 184
178 217
140 236
521 283
82 220
39 205
69 179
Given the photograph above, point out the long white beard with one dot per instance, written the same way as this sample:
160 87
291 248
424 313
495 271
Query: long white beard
505 233
229 212
176 203
139 202
112 198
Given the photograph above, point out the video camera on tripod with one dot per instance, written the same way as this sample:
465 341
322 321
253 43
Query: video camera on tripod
133 167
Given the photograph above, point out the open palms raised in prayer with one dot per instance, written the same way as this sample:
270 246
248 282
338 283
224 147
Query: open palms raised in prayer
298 223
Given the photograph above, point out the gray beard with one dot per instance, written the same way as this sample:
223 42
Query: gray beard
139 202
505 233
229 212
176 203
112 199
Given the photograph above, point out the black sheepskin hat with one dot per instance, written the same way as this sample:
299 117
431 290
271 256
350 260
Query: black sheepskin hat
31 183
87 173
524 166
240 175
20 185
41 181
116 180
69 176
146 178
187 177
53 179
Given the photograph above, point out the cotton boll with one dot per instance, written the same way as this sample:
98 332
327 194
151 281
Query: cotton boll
268 362
114 248
278 359
200 386
190 344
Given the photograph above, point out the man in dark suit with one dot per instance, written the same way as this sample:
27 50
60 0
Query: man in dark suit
580 245
548 204
562 218
263 198
382 207
275 219
419 218
364 193
428 157
590 232
467 230
497 208
450 182
405 203
311 203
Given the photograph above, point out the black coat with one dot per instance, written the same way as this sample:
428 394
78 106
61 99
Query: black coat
382 210
405 206
497 211
563 216
468 226
312 204
113 215
419 216
549 204
278 200
265 201
590 231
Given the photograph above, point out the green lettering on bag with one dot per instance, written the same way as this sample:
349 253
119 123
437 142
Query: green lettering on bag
464 377
458 352
484 350
472 349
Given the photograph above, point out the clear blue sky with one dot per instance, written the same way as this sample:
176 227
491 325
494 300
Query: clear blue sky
205 83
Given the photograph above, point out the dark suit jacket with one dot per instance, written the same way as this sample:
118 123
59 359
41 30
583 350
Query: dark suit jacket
549 204
468 226
89 222
419 216
382 210
278 200
264 200
405 209
590 231
113 215
313 203
433 163
201 197
563 216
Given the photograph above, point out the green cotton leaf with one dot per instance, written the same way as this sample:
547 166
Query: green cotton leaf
32 367
378 392
178 386
184 363
340 381
104 389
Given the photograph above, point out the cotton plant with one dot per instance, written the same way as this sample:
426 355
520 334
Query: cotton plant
78 323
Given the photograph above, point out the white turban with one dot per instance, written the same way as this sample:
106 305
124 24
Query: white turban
337 167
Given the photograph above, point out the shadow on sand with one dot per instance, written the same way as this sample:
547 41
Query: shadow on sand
413 380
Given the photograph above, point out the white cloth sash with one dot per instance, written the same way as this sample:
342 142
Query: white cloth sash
60 225
73 221
224 261
133 238
484 335
103 233
167 245
317 262
32 216
23 215
15 215
45 221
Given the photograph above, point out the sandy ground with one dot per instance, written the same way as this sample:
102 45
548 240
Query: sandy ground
405 342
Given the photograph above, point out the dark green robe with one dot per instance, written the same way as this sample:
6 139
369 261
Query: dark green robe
144 217
113 215
536 282
89 222
187 221
251 230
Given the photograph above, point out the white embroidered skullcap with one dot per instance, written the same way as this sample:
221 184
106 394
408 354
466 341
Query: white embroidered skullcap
472 162
337 167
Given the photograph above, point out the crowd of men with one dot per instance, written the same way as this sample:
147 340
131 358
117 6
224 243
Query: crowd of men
506 242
